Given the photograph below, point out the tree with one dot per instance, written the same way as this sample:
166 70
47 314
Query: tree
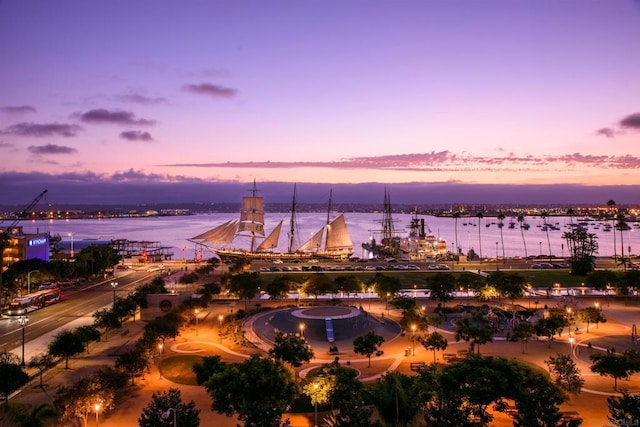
368 344
510 285
291 349
625 409
544 215
319 284
442 286
501 217
474 329
278 288
591 315
549 326
524 242
239 388
133 362
13 377
95 259
386 286
582 247
393 396
245 285
601 279
166 405
86 334
207 367
480 215
348 284
537 400
565 373
42 362
621 226
106 319
522 331
611 204
616 365
25 416
318 389
79 400
456 216
66 344
433 342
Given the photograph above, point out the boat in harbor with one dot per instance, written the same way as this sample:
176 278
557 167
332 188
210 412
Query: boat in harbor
332 241
389 244
421 243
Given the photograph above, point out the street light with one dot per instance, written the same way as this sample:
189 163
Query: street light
71 253
220 317
571 341
301 326
23 321
160 347
413 341
29 280
569 315
114 285
166 414
197 310
388 296
497 268
97 407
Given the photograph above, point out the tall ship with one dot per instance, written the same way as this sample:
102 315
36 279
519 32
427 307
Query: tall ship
421 243
332 241
389 244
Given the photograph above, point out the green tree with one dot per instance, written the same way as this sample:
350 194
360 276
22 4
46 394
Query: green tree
348 284
240 389
442 286
565 373
474 329
544 215
86 334
318 389
166 405
278 288
207 367
291 349
582 247
616 365
368 344
625 409
245 285
42 362
319 284
80 400
385 286
13 377
550 326
537 400
66 344
522 331
456 216
601 279
133 362
501 217
433 342
25 416
108 320
510 285
95 259
591 315
480 215
393 395
524 242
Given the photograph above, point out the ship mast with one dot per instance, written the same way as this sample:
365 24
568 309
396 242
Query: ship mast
292 229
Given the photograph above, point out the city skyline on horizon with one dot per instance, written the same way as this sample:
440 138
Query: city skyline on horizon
148 98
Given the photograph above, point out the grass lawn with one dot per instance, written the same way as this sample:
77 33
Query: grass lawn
179 369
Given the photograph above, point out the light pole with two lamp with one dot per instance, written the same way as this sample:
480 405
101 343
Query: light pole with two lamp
160 347
220 318
196 311
23 321
413 339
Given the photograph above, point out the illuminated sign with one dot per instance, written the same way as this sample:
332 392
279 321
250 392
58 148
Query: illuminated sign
37 242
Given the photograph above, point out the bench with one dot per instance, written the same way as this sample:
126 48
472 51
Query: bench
416 366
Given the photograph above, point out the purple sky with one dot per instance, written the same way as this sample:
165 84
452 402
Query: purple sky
469 92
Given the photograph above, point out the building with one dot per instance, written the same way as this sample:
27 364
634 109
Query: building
23 247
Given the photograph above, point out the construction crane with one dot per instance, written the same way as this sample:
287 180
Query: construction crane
24 211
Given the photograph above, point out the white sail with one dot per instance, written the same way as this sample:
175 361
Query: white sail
338 235
221 234
252 215
313 244
271 241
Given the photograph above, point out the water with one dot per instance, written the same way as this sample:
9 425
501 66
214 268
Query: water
173 232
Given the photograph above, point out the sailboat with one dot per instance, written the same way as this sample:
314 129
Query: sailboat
335 244
390 243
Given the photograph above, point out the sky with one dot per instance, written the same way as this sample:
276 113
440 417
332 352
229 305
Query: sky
124 93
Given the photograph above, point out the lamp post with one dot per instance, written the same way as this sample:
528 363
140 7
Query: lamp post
413 340
160 347
497 267
23 321
388 296
569 316
71 253
114 285
197 310
29 280
166 414
97 407
571 341
220 317
597 305
301 329
540 249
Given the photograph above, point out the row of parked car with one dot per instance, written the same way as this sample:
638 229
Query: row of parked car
395 267
549 266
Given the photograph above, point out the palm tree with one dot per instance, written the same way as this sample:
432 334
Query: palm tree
622 226
479 215
524 242
501 218
544 216
611 204
456 215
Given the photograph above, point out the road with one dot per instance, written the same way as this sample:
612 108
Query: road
75 303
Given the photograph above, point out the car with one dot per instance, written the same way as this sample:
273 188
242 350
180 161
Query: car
277 261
